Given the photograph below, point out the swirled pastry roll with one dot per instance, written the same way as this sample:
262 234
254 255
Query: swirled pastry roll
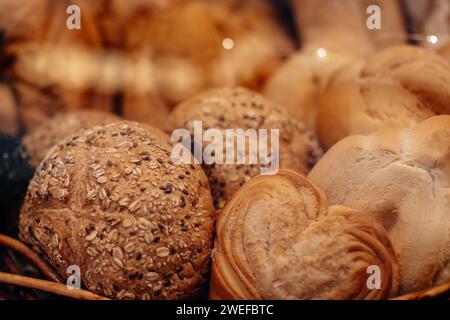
278 239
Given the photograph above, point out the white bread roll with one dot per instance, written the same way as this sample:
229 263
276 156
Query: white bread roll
402 177
333 34
398 87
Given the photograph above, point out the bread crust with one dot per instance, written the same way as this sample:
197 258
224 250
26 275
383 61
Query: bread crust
401 177
111 201
409 82
240 108
278 239
39 141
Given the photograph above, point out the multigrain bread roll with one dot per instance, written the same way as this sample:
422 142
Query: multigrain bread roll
39 141
239 108
398 87
111 201
278 239
401 177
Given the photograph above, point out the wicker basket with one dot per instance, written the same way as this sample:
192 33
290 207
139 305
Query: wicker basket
53 283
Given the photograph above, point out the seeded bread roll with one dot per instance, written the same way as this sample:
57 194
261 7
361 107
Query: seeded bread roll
9 115
40 140
111 201
239 108
278 239
401 177
398 87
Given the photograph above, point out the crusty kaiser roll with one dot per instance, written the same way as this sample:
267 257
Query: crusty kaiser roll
401 177
397 87
40 140
111 201
239 108
278 239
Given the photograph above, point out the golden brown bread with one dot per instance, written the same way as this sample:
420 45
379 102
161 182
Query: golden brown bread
401 177
445 51
111 201
45 21
144 108
9 114
39 141
196 31
393 25
333 34
408 82
278 239
183 37
239 108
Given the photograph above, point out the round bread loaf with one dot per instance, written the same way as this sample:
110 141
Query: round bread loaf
329 42
278 239
239 108
40 140
111 201
398 87
401 177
